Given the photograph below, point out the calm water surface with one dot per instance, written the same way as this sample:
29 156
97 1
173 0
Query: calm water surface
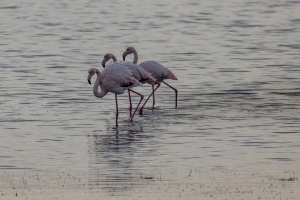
238 70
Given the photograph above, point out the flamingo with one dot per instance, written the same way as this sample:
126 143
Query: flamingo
139 73
159 72
116 79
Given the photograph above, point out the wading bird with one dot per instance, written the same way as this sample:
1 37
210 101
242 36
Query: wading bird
159 72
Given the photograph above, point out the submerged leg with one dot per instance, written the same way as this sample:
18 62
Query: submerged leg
130 104
175 90
117 110
142 97
141 109
153 102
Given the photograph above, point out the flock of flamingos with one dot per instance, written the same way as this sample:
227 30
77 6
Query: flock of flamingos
120 76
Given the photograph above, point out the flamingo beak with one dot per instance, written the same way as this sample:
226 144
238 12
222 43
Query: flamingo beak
124 55
103 63
89 81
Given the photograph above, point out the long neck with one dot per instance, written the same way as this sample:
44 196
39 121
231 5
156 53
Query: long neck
96 85
135 57
114 58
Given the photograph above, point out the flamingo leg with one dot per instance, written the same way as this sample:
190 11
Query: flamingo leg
142 97
153 102
130 104
141 109
175 90
117 110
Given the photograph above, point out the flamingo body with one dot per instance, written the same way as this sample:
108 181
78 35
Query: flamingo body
139 73
158 71
117 78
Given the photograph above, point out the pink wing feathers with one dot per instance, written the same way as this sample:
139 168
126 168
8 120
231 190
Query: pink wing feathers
141 74
158 71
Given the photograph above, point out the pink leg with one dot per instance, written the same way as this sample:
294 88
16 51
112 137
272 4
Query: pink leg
142 97
176 92
141 109
117 111
130 104
153 102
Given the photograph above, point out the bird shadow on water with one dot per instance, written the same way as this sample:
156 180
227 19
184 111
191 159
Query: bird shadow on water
118 157
113 155
152 118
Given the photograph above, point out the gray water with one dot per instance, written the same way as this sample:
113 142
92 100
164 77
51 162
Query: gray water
238 70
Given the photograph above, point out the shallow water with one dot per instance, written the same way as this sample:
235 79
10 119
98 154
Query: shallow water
238 70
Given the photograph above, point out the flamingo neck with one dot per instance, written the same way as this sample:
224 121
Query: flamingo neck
135 56
114 58
103 91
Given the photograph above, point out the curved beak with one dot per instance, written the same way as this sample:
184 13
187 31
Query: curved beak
124 55
104 62
89 81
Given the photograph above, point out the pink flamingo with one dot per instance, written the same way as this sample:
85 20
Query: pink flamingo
115 79
139 73
159 72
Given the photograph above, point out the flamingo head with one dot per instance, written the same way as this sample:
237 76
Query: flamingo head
107 57
129 50
91 73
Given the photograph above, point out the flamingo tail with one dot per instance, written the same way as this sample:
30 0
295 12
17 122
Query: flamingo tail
171 75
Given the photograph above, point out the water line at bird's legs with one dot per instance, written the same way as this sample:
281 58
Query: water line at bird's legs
153 102
130 104
117 110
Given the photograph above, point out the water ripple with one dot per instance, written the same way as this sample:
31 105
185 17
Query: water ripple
238 93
